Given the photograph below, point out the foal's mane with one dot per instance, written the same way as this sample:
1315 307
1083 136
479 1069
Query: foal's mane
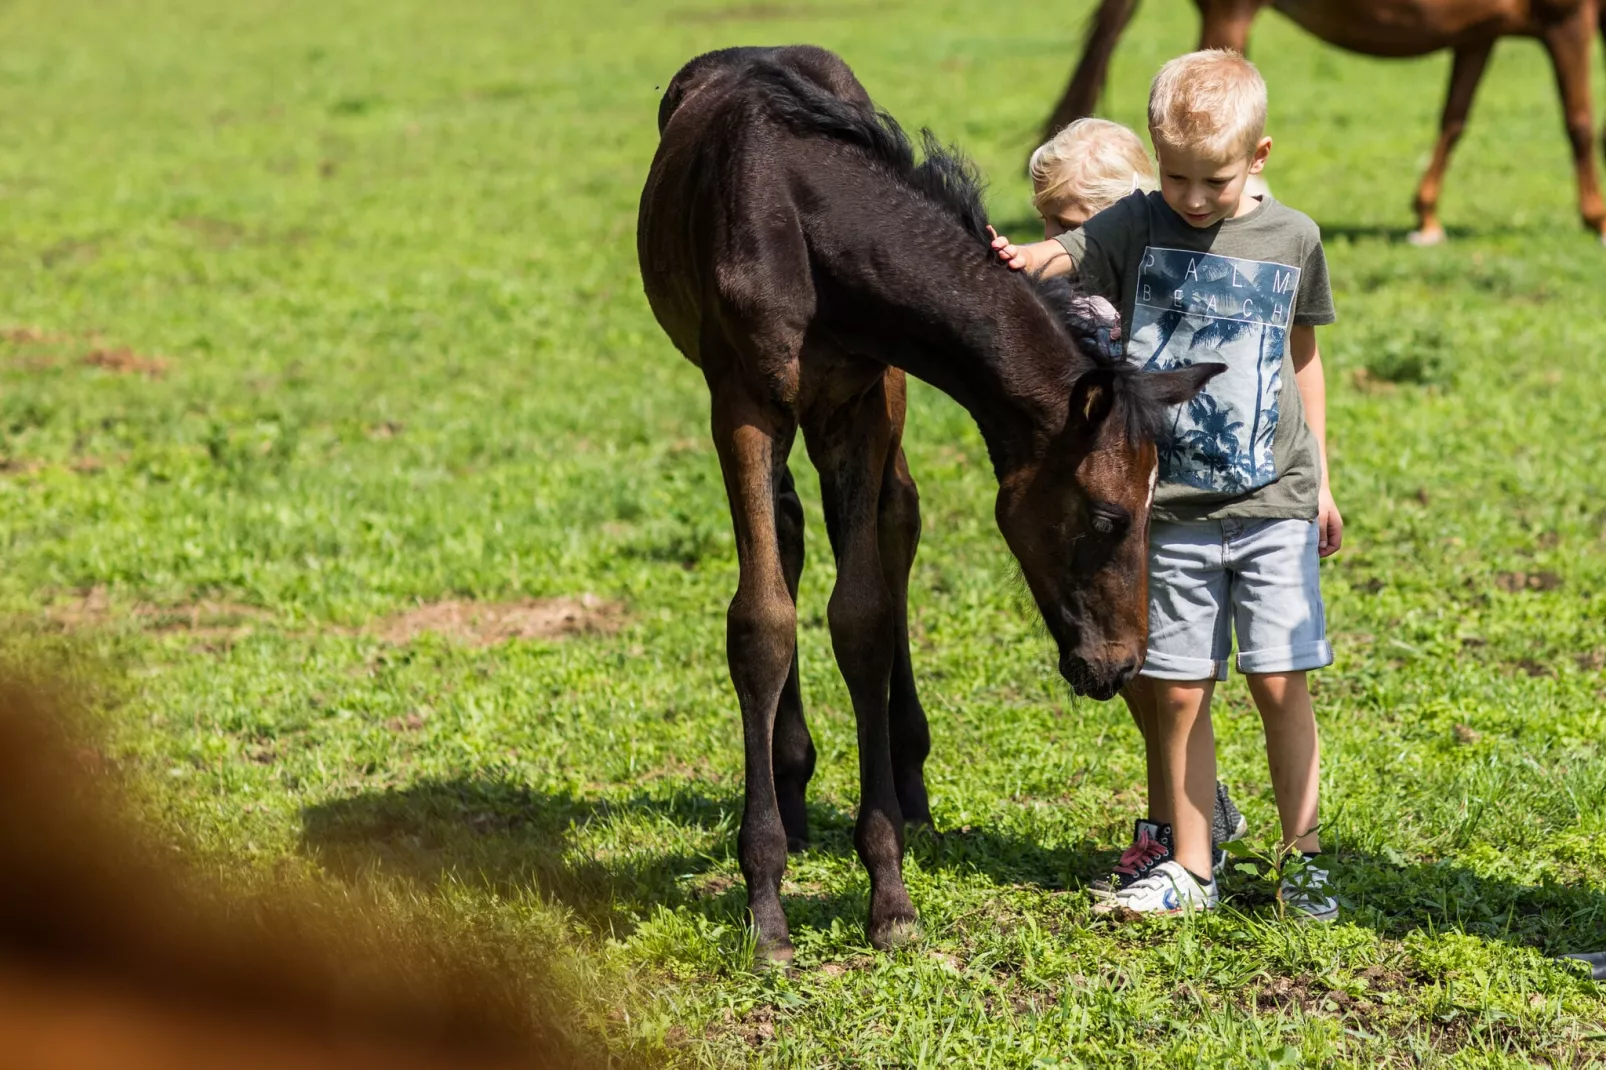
950 183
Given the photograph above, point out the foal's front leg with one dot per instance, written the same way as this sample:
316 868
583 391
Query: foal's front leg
850 448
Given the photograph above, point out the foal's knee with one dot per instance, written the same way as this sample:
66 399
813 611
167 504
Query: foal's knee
760 635
861 628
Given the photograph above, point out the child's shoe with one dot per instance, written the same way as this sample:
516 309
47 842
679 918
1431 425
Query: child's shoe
1151 845
1306 895
1168 889
1226 825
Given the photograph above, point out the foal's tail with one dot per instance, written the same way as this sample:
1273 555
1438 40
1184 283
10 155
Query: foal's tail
1104 28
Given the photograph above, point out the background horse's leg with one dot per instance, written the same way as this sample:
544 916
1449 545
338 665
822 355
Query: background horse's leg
793 752
1466 70
1568 43
1226 23
898 519
753 439
850 446
1081 97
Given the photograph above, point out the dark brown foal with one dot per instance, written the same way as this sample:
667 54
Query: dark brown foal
1399 28
793 250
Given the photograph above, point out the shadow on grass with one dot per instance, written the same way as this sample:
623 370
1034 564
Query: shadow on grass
513 839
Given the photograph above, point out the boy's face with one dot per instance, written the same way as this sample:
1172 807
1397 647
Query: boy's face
1063 217
1204 188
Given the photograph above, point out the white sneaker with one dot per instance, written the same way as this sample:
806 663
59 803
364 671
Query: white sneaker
1168 888
1305 894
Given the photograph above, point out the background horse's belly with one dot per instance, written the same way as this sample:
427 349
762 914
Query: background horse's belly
1404 27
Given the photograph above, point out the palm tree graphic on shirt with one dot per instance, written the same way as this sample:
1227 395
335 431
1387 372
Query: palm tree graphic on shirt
1196 307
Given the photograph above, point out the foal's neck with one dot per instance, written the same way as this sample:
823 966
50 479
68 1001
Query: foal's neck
938 307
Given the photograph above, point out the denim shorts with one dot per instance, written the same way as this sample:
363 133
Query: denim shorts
1256 577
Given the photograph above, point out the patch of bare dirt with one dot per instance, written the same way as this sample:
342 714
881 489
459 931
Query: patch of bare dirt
207 619
1513 582
488 623
18 466
714 885
124 361
413 722
1530 667
29 335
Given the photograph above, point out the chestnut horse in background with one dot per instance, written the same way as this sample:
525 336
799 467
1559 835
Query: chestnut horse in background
796 253
1397 28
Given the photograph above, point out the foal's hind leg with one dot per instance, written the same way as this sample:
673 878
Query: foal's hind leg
793 752
899 533
753 439
850 446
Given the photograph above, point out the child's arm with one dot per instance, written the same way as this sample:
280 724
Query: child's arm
1313 392
1046 258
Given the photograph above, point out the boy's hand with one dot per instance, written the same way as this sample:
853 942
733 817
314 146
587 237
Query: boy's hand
1329 525
1008 251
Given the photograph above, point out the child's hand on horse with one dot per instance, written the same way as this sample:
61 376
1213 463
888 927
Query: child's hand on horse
1010 253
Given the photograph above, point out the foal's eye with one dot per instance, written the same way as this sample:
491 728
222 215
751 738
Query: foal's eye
1108 519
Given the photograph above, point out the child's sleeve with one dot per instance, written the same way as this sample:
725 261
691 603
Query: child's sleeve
1314 306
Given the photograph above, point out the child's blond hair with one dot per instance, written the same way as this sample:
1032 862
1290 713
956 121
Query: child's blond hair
1092 161
1212 102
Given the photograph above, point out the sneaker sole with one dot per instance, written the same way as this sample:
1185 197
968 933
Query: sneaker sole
1111 906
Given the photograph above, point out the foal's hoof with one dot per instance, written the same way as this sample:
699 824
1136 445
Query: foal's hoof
774 956
797 844
899 932
1426 237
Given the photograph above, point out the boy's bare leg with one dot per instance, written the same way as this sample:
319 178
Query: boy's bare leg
1188 756
1293 751
1139 696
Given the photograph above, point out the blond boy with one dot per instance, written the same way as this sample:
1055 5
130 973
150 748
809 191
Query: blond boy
1203 271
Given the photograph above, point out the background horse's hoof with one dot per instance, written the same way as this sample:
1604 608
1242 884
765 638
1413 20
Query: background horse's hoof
797 844
899 932
1424 238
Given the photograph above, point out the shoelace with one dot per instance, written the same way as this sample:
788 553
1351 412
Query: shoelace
1140 854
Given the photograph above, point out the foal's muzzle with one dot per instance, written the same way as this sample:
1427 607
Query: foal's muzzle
1101 681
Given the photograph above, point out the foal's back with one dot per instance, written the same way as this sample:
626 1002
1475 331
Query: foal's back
718 232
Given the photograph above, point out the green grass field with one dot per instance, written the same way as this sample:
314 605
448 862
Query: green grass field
318 315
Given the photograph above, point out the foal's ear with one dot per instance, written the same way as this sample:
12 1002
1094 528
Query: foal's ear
1092 397
1181 384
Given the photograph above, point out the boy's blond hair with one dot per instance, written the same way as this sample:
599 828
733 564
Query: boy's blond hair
1212 102
1093 161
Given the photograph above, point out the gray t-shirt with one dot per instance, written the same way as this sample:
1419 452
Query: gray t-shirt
1224 293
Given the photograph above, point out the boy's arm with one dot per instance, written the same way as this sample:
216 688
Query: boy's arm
1045 258
1313 392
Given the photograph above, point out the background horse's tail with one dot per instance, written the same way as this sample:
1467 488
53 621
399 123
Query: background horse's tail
1104 29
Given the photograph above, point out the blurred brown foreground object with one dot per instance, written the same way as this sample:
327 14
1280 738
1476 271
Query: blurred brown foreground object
113 957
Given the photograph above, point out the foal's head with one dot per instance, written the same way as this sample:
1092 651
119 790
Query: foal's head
1077 518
